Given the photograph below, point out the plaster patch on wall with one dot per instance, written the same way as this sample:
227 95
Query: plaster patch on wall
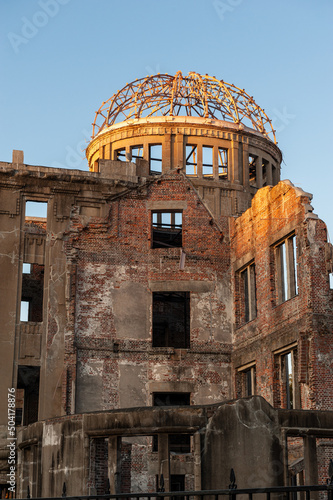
131 304
92 368
94 303
51 436
131 385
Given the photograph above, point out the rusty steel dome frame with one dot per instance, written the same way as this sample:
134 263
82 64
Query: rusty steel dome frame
192 95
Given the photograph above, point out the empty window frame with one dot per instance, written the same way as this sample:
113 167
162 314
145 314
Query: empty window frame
246 380
171 319
171 398
36 209
248 301
28 380
178 443
286 269
223 163
177 483
286 368
137 153
155 158
120 154
252 170
207 161
166 229
32 293
191 160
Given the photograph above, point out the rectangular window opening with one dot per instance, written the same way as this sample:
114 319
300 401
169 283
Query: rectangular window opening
248 300
207 161
191 161
137 153
178 443
171 398
330 277
35 209
289 397
155 158
28 380
286 386
252 170
246 381
171 319
223 163
286 269
167 229
120 154
177 483
32 293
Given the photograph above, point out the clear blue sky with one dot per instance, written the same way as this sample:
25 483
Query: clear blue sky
60 59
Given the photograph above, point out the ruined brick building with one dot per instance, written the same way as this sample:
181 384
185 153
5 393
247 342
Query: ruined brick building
171 314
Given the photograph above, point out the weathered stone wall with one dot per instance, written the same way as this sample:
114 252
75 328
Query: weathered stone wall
243 435
247 435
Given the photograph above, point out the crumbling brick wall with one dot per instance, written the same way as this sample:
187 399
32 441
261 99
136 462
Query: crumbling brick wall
113 275
301 323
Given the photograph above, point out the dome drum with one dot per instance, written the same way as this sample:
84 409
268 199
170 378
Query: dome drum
206 150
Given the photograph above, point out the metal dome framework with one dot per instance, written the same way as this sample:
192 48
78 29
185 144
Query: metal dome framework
192 95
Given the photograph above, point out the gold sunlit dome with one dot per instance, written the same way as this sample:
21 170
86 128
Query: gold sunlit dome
192 95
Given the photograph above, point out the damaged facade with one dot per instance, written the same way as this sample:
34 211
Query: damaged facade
172 312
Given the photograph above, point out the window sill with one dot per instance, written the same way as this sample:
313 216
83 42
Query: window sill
246 323
285 301
168 351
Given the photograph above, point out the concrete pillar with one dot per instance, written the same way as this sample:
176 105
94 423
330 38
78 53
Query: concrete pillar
197 461
114 463
240 163
310 460
86 466
246 181
145 152
275 174
259 172
285 457
166 153
18 157
215 163
11 245
179 151
128 150
234 162
199 160
164 460
269 174
108 151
